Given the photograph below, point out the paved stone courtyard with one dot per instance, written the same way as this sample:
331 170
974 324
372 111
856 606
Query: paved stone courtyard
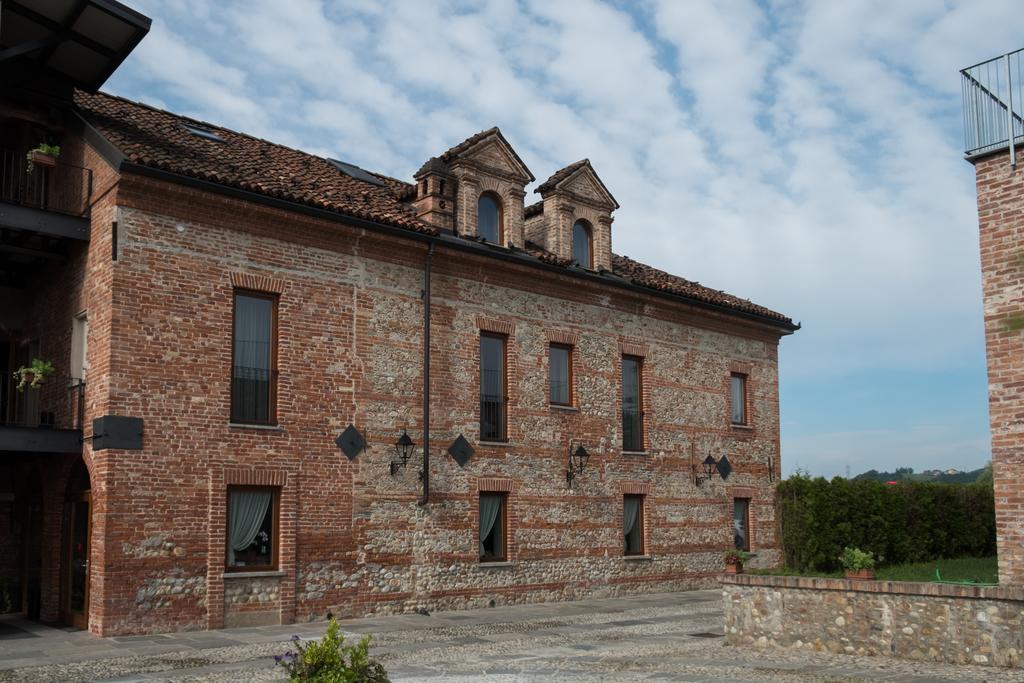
658 637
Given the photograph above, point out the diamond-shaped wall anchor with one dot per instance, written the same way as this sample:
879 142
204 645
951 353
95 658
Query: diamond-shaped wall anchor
351 442
724 468
460 450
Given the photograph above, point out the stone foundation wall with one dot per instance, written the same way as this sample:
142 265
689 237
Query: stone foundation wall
917 621
252 600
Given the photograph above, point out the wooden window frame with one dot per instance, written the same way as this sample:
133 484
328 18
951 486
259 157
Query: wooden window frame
275 516
503 495
503 436
568 375
587 228
274 299
501 216
639 399
744 380
640 520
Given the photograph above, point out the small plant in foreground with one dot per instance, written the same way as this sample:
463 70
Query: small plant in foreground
855 559
329 660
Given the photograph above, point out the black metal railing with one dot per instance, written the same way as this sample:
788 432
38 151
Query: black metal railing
63 188
56 403
632 430
993 102
492 417
252 395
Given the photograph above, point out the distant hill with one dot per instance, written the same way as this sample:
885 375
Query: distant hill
949 476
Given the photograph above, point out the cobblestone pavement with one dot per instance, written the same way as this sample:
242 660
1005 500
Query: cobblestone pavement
660 637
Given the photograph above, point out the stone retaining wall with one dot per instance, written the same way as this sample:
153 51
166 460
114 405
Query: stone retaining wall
918 621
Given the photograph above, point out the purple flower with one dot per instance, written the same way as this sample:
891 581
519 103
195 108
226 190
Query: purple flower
277 658
295 638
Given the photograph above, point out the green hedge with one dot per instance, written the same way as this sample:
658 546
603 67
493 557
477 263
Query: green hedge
906 522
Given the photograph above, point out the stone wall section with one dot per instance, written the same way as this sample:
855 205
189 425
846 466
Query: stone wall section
1001 223
916 621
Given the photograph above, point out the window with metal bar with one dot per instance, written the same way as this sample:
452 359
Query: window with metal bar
632 404
738 398
253 375
492 388
560 374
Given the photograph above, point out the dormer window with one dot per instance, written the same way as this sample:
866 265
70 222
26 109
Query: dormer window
581 244
488 219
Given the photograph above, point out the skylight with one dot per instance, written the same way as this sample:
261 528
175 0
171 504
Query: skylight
355 172
202 133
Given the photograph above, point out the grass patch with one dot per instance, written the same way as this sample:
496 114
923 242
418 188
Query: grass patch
975 569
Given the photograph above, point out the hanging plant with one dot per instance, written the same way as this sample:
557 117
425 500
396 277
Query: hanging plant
43 155
33 374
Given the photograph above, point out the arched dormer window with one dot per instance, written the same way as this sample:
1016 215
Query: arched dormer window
582 243
489 218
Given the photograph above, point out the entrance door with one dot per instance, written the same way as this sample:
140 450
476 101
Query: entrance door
76 589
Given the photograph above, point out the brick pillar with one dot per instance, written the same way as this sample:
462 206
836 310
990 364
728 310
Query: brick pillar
1001 223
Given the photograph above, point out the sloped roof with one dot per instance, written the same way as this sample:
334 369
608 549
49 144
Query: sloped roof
455 152
159 139
563 174
650 277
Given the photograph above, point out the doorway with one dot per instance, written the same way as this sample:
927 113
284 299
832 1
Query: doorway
77 535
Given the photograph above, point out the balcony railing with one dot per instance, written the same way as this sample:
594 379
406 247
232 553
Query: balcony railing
492 417
632 430
57 403
252 395
993 101
63 188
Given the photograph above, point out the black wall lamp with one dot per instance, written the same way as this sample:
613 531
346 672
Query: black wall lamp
404 448
711 467
577 462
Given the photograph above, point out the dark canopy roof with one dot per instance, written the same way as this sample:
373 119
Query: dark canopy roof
78 41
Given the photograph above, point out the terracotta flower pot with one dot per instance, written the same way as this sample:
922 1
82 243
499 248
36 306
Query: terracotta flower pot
861 574
40 159
736 568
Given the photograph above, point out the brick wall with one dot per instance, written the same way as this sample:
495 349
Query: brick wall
1001 223
353 539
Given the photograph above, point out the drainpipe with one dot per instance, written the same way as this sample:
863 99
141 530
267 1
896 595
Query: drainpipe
426 375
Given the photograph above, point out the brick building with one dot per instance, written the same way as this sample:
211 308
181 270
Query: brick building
240 334
993 105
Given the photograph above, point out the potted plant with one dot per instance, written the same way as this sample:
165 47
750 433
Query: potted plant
857 563
43 155
734 560
34 374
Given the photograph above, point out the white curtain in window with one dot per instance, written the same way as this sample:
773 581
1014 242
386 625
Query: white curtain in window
246 510
490 506
631 514
738 407
739 523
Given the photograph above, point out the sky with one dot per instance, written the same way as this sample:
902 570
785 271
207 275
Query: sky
805 155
